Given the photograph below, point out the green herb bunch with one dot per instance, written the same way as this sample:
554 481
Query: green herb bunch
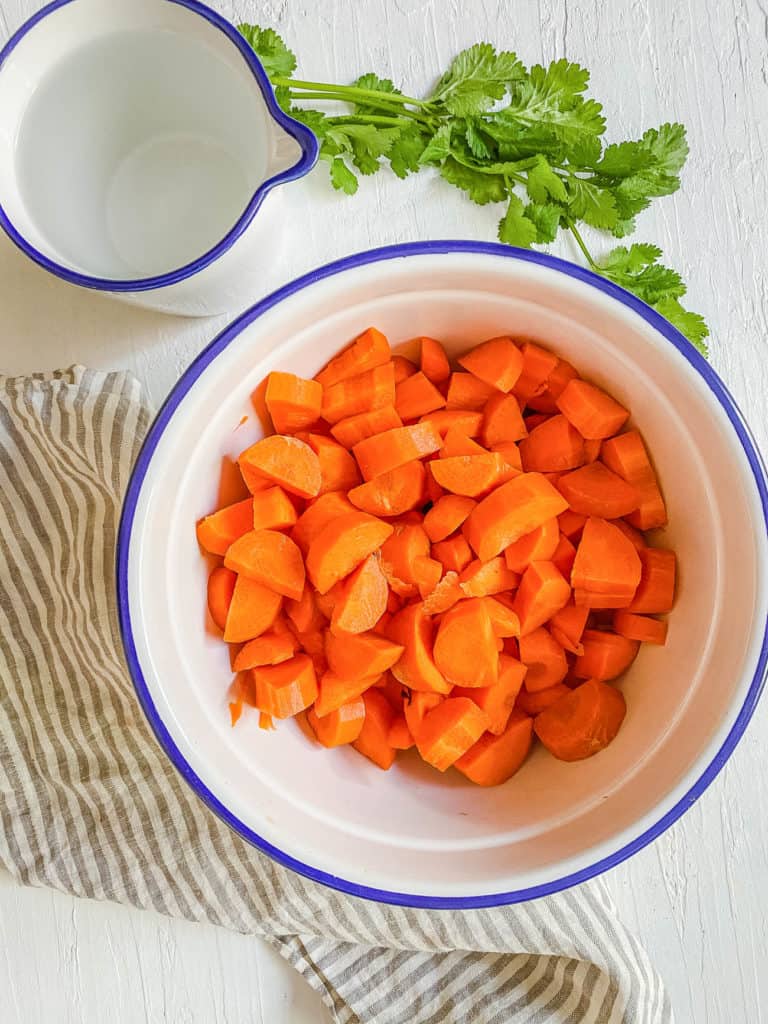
527 137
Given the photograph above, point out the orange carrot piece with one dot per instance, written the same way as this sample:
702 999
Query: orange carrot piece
416 705
369 350
272 510
592 450
534 703
319 513
606 563
511 511
428 573
497 362
404 369
216 532
456 442
342 545
568 625
355 656
583 722
373 741
412 629
626 455
252 610
454 554
465 645
433 361
494 759
221 587
655 593
373 389
392 493
293 403
469 475
511 454
537 546
338 727
591 411
640 627
542 592
552 447
304 613
270 558
538 366
286 461
447 515
338 470
632 534
333 692
392 448
267 649
445 595
533 420
399 552
433 492
400 736
286 689
362 598
545 658
468 393
416 396
571 524
481 579
503 420
504 620
449 730
469 421
564 556
232 488
594 490
605 656
357 428
556 382
498 700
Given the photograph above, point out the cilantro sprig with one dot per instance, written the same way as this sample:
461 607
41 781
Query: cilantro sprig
502 133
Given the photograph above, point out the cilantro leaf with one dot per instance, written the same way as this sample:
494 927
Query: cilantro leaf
690 324
546 218
632 260
476 140
476 78
405 153
515 228
588 202
342 178
638 269
481 188
438 147
543 182
373 82
274 55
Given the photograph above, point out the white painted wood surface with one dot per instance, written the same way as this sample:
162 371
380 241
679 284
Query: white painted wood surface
698 898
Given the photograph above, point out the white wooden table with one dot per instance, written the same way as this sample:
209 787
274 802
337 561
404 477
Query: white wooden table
698 898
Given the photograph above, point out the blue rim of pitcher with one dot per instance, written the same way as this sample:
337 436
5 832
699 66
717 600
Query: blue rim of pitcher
164 416
298 131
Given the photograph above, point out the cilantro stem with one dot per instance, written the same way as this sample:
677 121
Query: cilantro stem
580 242
364 119
349 90
380 104
504 169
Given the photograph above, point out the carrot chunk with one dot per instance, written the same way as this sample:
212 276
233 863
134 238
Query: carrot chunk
342 545
292 402
286 689
286 461
467 393
503 420
545 658
384 452
269 558
605 655
465 645
626 455
481 579
221 587
606 564
362 598
216 532
583 722
433 361
469 475
357 428
355 656
469 421
400 736
495 758
640 627
416 396
591 411
511 511
542 592
392 493
338 727
454 554
272 510
416 667
447 515
318 514
534 703
655 593
334 692
594 490
369 350
373 389
567 626
338 469
497 362
537 546
497 700
267 649
552 447
538 366
449 730
373 741
252 610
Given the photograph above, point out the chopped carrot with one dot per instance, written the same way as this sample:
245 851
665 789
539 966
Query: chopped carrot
373 389
404 369
304 613
537 546
412 630
338 727
552 447
511 511
400 736
293 403
583 722
252 610
632 534
534 703
556 382
362 598
449 730
545 658
627 456
369 350
469 475
494 759
373 741
504 619
568 625
354 656
286 689
447 515
445 595
433 492
392 448
393 492
542 592
216 532
655 593
333 692
465 645
564 556
533 420
456 442
607 563
470 421
267 649
571 524
591 411
454 554
481 579
503 420
594 490
467 393
265 721
511 454
538 366
319 513
417 704
272 510
221 587
399 552
427 573
605 656
497 362
269 558
416 396
592 450
640 627
357 428
286 461
338 469
433 361
342 545
232 488
498 700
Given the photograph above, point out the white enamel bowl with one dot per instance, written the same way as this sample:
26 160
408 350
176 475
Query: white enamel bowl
411 835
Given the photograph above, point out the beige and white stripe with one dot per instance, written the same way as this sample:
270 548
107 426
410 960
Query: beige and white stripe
90 805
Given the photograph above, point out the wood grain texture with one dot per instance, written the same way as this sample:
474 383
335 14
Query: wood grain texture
698 898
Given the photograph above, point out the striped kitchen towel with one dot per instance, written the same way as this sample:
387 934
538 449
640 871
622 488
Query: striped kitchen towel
91 806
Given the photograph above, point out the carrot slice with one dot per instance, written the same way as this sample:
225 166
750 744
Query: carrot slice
252 610
534 703
434 361
469 475
304 613
392 493
292 402
400 736
655 593
583 722
272 510
369 349
468 393
362 598
594 490
465 645
357 428
216 532
373 389
497 362
503 619
480 579
542 592
591 411
567 626
342 545
456 442
417 704
338 727
412 630
511 511
447 515
454 554
545 658
494 759
355 656
286 689
605 656
270 558
404 368
427 574
334 692
571 524
640 627
468 420
286 461
503 420
606 562
511 453
267 649
537 546
632 534
498 700
416 396
626 455
552 447
564 556
392 448
319 513
445 595
449 730
338 469
373 741
556 382
221 587
538 366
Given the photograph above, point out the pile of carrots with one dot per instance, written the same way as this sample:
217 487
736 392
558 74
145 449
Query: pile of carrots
451 558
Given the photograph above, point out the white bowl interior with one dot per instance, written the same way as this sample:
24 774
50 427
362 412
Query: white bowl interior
133 137
334 810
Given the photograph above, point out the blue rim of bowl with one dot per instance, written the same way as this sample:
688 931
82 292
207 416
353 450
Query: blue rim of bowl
303 136
209 354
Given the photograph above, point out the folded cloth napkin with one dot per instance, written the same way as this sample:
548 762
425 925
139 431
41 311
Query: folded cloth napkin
90 805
